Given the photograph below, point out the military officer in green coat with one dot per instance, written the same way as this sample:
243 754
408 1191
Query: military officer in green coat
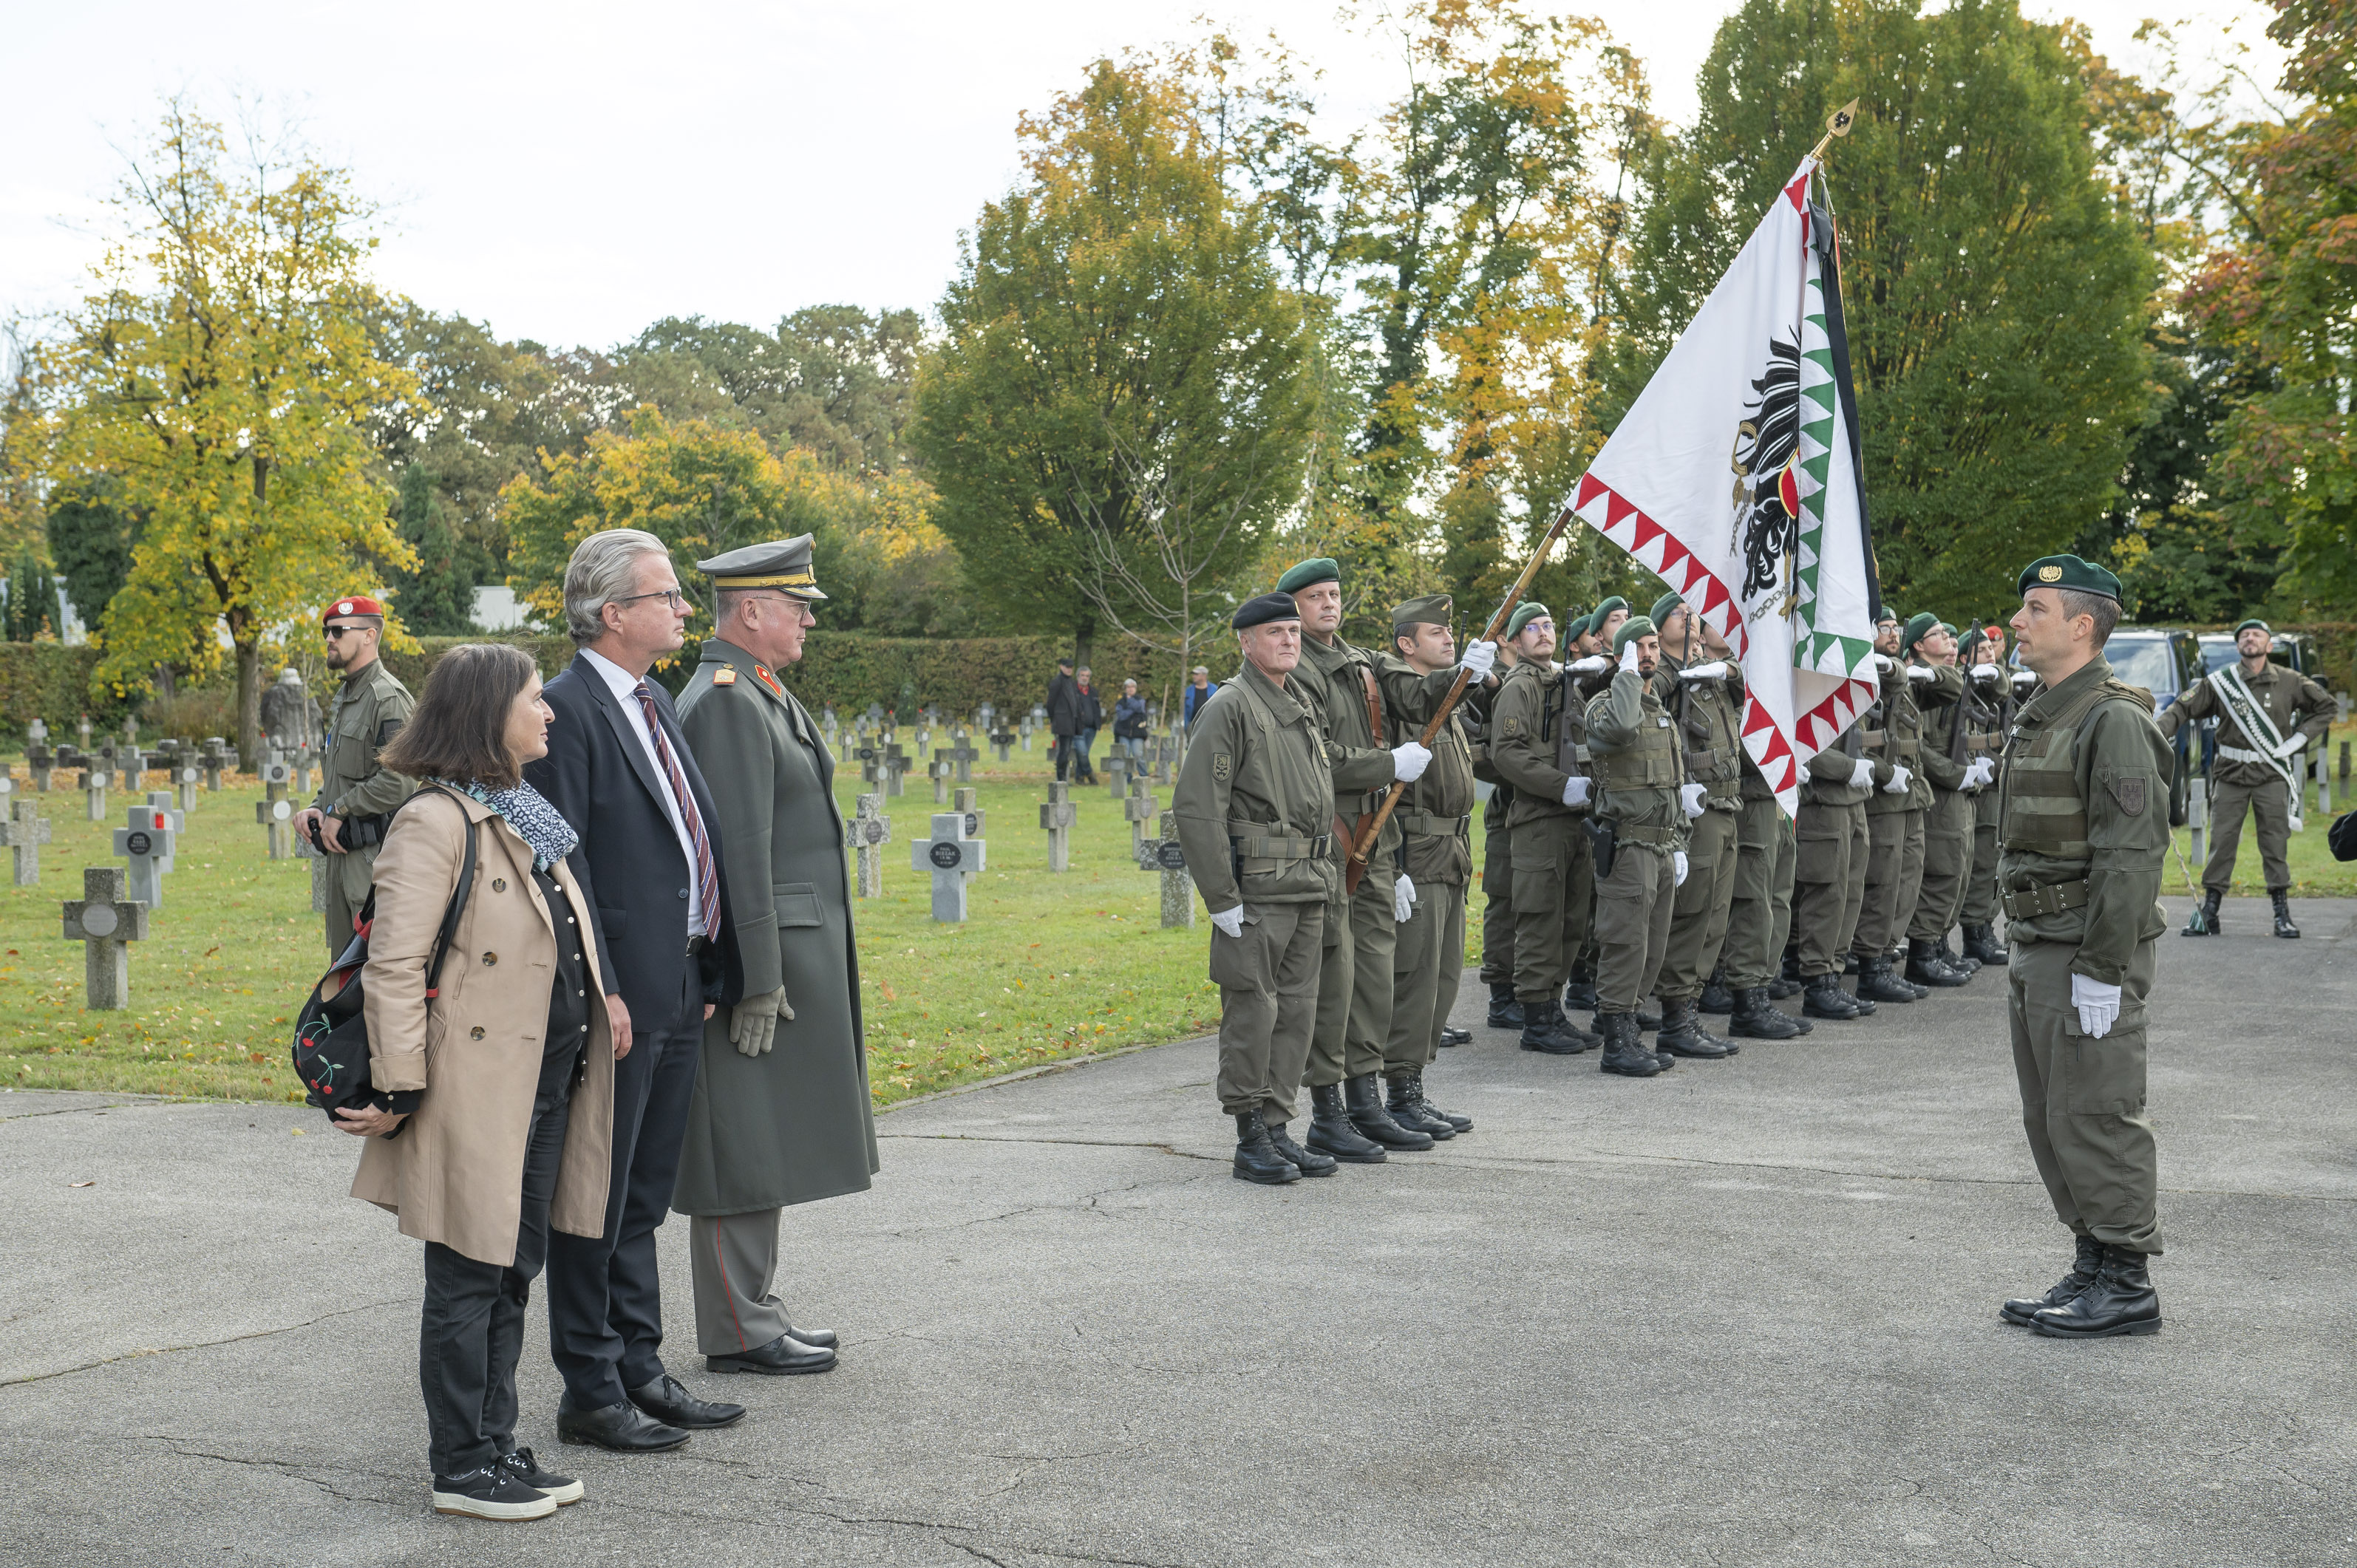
1927 648
1696 680
1987 720
780 1113
1497 868
1893 736
358 795
1254 807
2084 818
1639 766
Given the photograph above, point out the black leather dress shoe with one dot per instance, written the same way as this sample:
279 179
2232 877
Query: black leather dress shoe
624 1428
667 1401
782 1355
821 1337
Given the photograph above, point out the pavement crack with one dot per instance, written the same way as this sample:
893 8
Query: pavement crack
180 1447
204 1344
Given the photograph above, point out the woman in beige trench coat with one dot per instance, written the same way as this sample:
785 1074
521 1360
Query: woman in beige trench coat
494 1116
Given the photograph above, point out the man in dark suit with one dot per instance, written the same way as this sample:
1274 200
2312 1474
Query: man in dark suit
1065 716
619 771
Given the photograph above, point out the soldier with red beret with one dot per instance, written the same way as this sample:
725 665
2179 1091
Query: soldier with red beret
357 795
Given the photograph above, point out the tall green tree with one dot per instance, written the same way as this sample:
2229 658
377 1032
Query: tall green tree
1996 293
91 536
1117 334
436 597
834 379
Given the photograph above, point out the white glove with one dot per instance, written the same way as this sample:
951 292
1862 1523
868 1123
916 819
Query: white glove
1862 774
1678 860
1900 775
1478 657
1402 901
1230 921
1575 792
1713 671
1982 772
1629 655
2024 678
2291 743
1589 665
1883 663
2098 1005
1986 672
1917 672
753 1023
1409 759
1690 797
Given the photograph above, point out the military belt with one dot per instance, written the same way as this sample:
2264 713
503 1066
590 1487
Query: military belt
1252 841
2236 753
1658 837
2044 898
1423 824
1700 762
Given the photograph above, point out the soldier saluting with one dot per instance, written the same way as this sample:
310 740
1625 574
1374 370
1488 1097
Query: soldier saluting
2267 716
2084 819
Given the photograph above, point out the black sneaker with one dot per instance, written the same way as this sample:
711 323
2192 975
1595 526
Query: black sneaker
491 1492
562 1490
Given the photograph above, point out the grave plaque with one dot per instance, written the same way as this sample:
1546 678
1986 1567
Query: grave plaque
147 841
102 920
868 832
26 832
1162 853
952 858
977 820
1057 816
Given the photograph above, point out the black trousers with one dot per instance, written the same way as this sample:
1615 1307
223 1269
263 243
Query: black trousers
605 1299
470 1331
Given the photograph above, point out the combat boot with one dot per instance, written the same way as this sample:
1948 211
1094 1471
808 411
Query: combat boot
1406 1109
1982 943
1505 1012
1579 991
1365 1102
1925 966
2284 928
1330 1132
1624 1053
1294 1154
2066 1289
1963 962
1546 1030
1257 1158
2204 920
1788 981
1682 1036
1877 983
1453 1038
1824 998
2120 1301
1716 996
1754 1019
1415 1089
1894 962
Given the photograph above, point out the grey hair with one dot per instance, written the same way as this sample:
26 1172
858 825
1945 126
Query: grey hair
605 567
2105 608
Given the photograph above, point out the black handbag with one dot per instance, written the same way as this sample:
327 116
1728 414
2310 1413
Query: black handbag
331 1041
2342 838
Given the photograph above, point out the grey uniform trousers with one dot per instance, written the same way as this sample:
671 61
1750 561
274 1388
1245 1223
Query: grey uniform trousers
1759 911
2082 1100
1947 861
1555 873
1699 913
1828 883
2270 807
1894 880
1354 981
1427 964
1268 1003
1633 926
735 1261
1980 905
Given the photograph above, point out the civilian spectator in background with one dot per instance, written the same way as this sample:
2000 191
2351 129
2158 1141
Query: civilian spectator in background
1065 716
1129 721
1092 719
1198 692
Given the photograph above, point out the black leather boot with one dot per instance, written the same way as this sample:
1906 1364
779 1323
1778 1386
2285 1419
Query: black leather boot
1416 1087
1982 943
1365 1103
2066 1289
2284 928
1451 1038
1330 1132
1895 960
1579 991
1964 962
1876 983
1257 1158
1788 981
1716 996
1505 1012
1682 1035
1824 998
1303 1160
1926 967
2120 1301
1545 1028
1651 1023
2204 919
1754 1019
1624 1053
1406 1108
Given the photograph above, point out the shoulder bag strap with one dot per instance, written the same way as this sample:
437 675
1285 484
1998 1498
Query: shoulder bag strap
449 931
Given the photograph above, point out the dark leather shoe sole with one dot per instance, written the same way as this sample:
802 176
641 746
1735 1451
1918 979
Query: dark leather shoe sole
588 1440
731 1364
1556 1046
1631 1069
1267 1178
2109 1331
1748 1030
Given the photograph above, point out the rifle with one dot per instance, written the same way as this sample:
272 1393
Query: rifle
1373 826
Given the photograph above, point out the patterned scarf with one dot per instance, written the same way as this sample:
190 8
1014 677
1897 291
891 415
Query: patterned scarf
527 810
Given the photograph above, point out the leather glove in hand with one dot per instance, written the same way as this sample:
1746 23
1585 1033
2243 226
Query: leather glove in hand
1402 901
1230 921
1900 774
1575 792
753 1023
1478 657
1710 672
1690 797
1678 862
1409 760
1861 774
1982 772
2098 1005
2292 743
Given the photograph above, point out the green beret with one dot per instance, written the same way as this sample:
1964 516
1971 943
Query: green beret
2254 621
1524 613
1662 606
1919 626
2068 571
1631 629
1264 609
1319 569
1571 631
1889 616
1597 618
1433 609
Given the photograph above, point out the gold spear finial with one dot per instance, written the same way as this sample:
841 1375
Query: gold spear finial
1843 119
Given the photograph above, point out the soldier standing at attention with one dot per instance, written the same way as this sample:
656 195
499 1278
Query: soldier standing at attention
357 795
1539 746
1893 735
1586 655
1988 718
2085 816
1641 777
1337 683
1830 839
1254 805
2268 716
1497 866
1705 697
1930 647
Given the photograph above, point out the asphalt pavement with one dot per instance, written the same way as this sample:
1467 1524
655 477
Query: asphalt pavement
1742 1314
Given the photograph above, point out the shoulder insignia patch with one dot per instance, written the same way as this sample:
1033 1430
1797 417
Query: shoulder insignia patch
2129 790
1222 766
1510 728
724 676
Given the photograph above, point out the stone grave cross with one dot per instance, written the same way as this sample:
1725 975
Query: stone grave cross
1003 739
218 759
1138 810
896 767
1118 767
146 841
94 774
868 832
1058 816
952 858
939 769
102 920
277 818
38 755
1163 854
26 831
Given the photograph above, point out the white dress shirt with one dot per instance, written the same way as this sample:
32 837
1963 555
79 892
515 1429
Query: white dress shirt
623 683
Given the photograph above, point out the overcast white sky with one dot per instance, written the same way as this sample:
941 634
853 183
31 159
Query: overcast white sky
573 173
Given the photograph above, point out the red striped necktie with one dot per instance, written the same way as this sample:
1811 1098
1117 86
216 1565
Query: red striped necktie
707 881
